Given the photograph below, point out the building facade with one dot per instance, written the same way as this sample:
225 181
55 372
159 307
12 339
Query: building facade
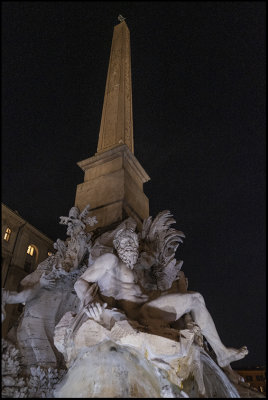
256 377
23 248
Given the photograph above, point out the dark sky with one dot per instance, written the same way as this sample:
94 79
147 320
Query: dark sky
198 75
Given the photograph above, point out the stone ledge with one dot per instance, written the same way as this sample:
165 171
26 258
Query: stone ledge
121 151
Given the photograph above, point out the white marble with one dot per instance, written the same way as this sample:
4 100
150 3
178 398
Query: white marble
107 308
48 293
115 278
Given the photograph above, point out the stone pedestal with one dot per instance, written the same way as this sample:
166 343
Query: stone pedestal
113 186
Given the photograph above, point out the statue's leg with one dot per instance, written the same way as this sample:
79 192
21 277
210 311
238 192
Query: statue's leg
181 303
35 341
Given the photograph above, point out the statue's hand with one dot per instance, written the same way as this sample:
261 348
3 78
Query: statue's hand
47 282
95 311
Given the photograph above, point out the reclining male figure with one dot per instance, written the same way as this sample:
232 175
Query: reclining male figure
116 281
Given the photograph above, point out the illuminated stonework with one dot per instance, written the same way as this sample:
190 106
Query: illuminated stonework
111 307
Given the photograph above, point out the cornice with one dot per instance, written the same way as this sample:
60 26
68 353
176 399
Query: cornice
106 156
21 221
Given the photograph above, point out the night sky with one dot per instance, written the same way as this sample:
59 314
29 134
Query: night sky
198 81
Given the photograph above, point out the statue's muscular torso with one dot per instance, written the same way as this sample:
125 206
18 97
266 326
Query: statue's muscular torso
114 279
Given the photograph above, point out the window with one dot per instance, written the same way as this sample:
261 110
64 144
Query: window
7 234
30 250
260 378
249 378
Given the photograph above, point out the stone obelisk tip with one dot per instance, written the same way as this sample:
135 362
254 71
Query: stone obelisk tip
121 18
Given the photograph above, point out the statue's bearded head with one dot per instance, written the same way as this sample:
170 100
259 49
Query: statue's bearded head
127 246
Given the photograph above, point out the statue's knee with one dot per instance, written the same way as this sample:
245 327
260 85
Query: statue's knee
198 298
80 287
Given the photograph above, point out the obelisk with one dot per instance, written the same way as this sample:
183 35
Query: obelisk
113 180
117 121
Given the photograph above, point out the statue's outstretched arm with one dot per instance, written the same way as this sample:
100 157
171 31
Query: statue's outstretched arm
12 297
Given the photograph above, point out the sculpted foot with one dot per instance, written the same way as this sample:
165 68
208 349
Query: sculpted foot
233 355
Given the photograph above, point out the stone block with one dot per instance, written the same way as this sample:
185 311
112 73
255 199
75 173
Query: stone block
107 215
101 191
105 168
113 183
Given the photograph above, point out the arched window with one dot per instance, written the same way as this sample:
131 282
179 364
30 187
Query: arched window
30 250
7 234
31 259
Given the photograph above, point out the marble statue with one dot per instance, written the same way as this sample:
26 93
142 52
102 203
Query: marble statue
130 297
15 383
110 314
115 279
48 293
12 297
113 317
